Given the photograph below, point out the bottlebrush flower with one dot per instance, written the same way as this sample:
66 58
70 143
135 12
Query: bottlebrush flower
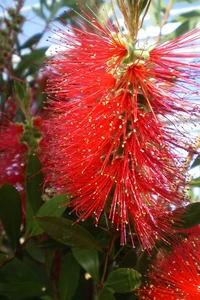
105 138
175 275
12 156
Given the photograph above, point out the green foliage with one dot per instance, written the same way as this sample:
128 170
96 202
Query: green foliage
160 15
123 280
88 259
106 293
196 162
191 215
34 182
67 233
22 289
15 275
195 182
129 260
11 212
69 277
52 207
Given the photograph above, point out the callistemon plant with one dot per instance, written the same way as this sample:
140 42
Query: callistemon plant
111 135
175 275
13 154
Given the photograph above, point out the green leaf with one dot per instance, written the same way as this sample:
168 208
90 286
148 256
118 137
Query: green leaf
195 182
68 233
50 243
142 5
19 90
187 16
196 162
123 280
16 271
106 294
144 261
36 254
191 216
188 21
29 218
34 182
22 289
31 62
32 41
49 257
69 277
11 212
52 207
23 96
89 260
133 297
129 260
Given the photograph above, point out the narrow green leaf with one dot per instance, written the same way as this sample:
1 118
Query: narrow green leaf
194 14
52 207
23 95
11 212
191 216
68 233
69 277
20 90
142 5
89 260
144 261
31 62
196 162
106 294
34 182
29 218
123 280
32 41
129 260
195 182
22 289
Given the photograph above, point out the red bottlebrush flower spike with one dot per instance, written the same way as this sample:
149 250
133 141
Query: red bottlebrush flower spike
175 275
105 139
12 158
